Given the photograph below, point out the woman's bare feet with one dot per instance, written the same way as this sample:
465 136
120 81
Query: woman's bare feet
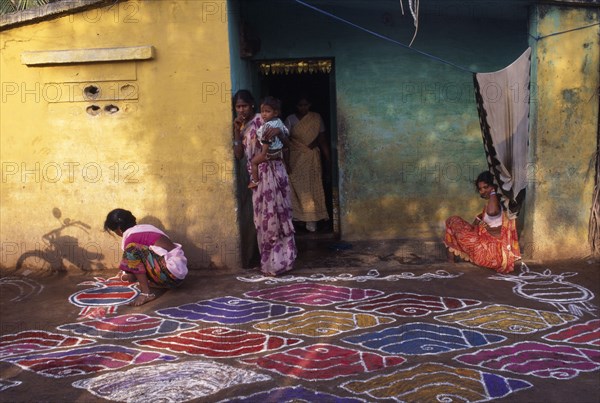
130 278
126 277
142 298
450 256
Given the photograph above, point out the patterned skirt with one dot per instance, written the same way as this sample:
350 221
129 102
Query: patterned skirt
139 259
475 244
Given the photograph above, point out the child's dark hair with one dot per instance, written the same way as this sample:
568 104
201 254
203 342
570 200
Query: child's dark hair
485 177
119 219
272 102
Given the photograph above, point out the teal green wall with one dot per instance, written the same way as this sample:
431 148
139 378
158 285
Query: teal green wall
409 141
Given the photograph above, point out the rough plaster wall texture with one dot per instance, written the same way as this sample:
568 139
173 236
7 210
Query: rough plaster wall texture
408 130
165 154
413 143
407 147
565 135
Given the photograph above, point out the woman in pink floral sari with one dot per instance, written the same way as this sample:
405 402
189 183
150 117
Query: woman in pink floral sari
271 199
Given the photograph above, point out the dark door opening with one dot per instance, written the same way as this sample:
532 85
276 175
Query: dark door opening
291 79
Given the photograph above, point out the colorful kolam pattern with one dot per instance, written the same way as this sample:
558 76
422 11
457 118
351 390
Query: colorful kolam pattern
313 294
409 304
536 359
292 394
433 382
103 298
422 339
321 323
30 341
173 382
372 275
85 360
219 342
305 329
320 362
228 310
509 319
126 327
587 333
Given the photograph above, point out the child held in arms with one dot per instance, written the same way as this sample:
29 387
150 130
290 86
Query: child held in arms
270 109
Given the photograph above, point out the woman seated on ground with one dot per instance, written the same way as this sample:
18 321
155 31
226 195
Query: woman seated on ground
491 240
149 256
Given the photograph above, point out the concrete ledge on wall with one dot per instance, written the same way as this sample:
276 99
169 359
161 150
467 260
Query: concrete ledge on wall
70 56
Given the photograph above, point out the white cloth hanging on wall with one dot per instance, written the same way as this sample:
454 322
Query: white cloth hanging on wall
503 105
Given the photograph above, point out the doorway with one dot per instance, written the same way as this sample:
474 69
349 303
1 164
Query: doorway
287 80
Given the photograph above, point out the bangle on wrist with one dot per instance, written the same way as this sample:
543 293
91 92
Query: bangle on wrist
492 193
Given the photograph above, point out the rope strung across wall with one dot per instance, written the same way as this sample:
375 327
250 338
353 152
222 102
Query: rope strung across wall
537 38
414 11
302 3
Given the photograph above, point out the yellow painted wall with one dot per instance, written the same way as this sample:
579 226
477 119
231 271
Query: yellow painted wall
165 155
564 132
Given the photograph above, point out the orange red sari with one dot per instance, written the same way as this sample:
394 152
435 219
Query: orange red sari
475 244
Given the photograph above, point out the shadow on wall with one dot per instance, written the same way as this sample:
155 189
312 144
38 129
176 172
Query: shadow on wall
60 251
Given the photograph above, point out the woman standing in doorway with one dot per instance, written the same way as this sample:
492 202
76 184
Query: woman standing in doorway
271 198
307 143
